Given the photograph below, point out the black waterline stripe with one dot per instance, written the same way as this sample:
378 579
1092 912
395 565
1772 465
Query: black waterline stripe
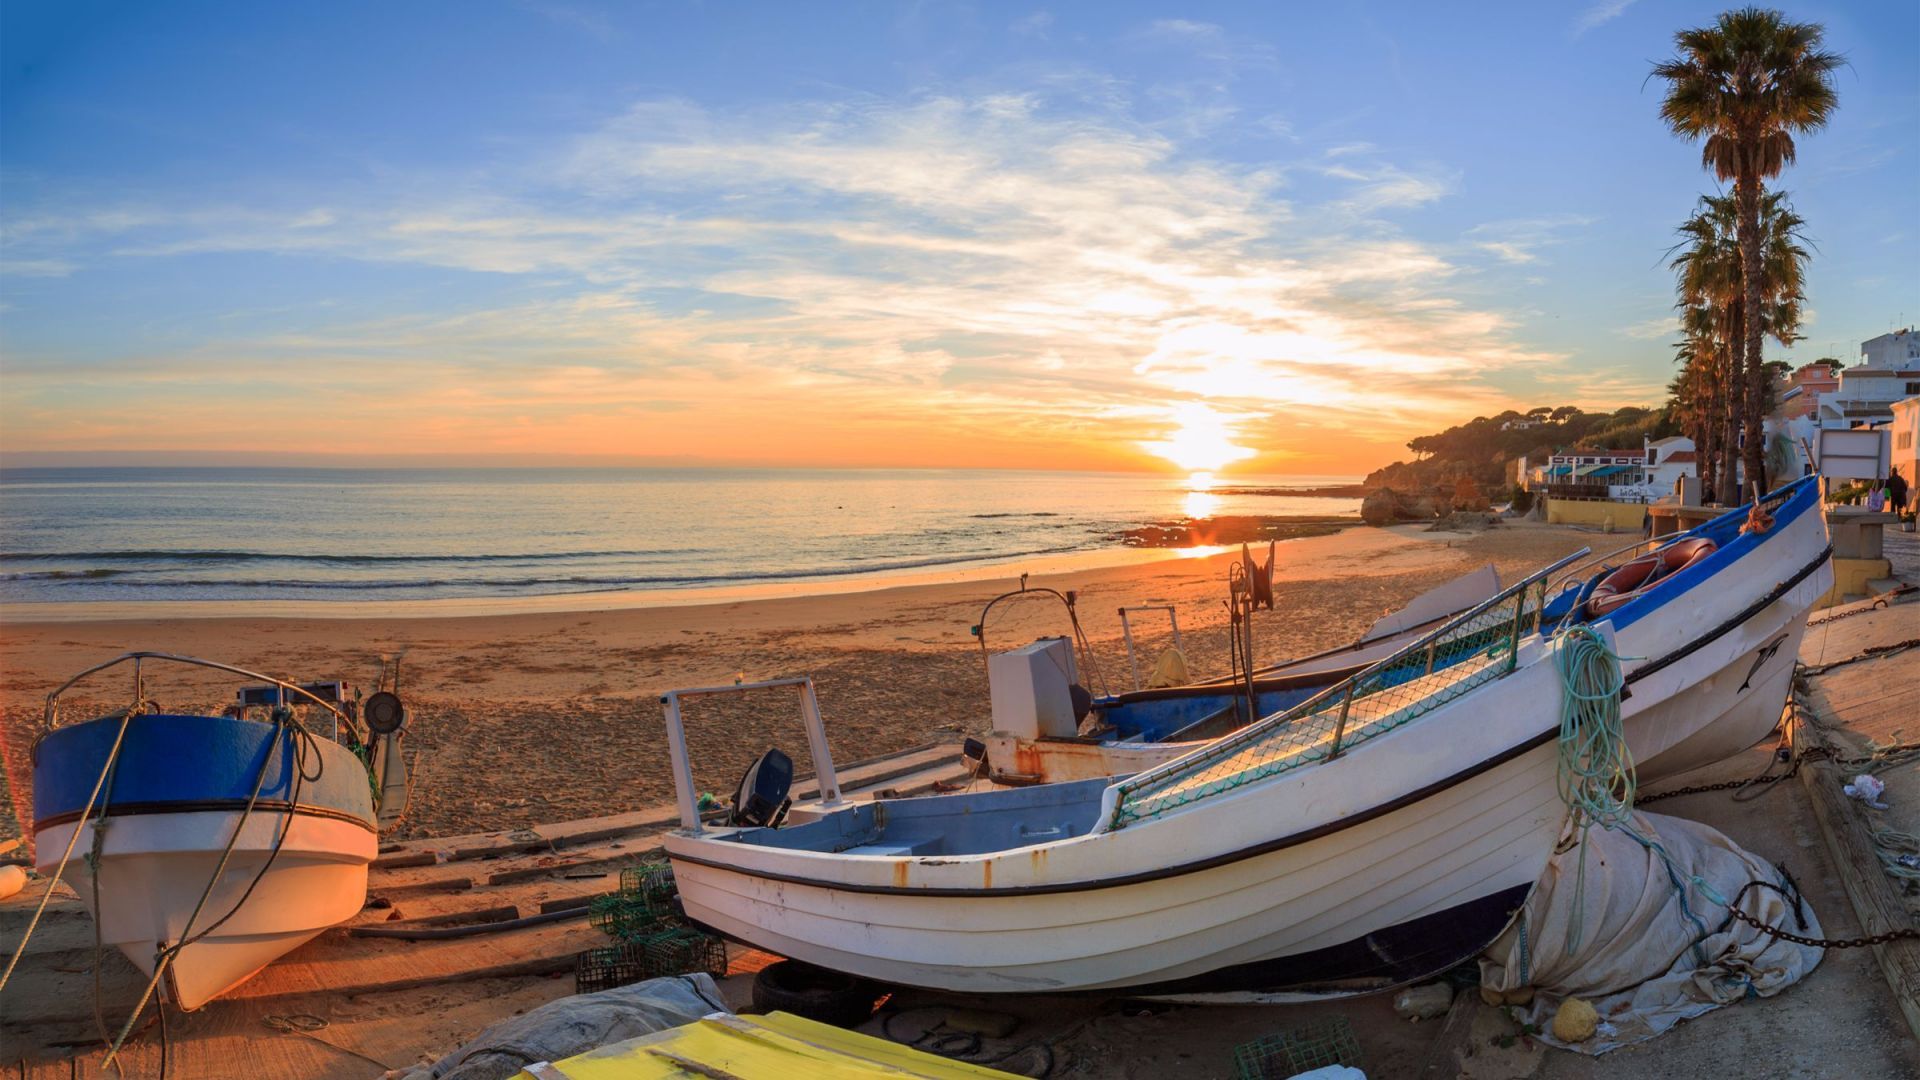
276 806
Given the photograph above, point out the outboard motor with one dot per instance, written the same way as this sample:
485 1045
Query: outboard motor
385 715
762 799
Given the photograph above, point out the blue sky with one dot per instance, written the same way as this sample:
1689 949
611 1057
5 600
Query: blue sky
919 234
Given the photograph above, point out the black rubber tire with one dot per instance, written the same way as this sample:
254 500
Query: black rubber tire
818 994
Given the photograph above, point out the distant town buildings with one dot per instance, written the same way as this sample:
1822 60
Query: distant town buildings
1800 394
1882 391
1906 439
1889 370
1649 474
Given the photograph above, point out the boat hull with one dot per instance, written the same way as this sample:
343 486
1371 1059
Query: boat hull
1708 673
296 862
1328 880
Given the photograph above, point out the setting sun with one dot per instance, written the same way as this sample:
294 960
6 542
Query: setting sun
1200 441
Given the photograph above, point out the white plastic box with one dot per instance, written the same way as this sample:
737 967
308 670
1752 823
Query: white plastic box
1030 688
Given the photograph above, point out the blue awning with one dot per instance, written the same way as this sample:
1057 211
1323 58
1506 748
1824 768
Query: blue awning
1559 470
1612 470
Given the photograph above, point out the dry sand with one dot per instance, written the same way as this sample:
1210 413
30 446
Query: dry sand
547 715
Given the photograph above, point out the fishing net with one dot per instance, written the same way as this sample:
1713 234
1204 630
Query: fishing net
1324 1042
679 951
643 905
1473 649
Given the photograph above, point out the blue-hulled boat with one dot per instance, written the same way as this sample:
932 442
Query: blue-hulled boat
1747 551
1128 731
209 846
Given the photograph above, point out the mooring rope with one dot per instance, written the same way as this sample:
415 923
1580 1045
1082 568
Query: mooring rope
1596 775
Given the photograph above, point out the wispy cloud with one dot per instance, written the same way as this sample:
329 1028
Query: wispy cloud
1603 12
1034 25
951 278
1520 241
1655 329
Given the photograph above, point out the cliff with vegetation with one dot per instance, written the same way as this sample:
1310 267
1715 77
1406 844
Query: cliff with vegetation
1480 449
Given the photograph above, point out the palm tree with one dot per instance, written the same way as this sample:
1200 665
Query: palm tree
1712 299
1747 85
1715 291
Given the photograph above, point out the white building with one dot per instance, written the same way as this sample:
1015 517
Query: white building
1667 461
1889 370
1906 443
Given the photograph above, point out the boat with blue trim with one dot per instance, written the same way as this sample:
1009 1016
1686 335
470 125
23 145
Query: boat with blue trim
208 846
1380 832
1633 589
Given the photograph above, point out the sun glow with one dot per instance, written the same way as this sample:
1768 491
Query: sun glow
1199 441
1201 501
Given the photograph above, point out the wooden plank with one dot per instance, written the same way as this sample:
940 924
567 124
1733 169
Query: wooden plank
1447 1054
1875 903
370 965
405 859
499 913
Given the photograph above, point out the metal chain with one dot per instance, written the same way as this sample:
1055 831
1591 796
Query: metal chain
1880 603
1812 753
1898 934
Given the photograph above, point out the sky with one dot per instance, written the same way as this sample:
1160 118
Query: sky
1267 237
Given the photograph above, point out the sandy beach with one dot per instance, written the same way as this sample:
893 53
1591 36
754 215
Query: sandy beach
543 715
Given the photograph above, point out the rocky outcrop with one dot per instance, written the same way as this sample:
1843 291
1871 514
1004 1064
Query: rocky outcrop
1388 507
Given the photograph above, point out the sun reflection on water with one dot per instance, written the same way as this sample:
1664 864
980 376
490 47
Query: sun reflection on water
1201 501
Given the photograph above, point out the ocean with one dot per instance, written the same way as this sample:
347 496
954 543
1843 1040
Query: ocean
117 534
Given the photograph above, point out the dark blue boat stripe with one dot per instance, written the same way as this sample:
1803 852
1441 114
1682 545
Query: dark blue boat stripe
175 759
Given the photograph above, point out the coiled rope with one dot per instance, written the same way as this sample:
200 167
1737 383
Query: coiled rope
1596 775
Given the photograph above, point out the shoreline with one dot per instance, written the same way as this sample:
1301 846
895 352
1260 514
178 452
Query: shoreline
43 612
1158 542
552 714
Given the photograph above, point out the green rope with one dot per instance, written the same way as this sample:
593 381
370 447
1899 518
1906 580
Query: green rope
1596 769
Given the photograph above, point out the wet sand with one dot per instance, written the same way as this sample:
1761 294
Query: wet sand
543 714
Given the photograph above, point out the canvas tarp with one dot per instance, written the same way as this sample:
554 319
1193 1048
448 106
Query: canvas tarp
1640 942
574 1024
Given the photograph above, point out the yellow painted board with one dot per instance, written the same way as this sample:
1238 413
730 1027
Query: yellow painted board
778 1046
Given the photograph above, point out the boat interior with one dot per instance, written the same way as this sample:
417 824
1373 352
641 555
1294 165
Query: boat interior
933 825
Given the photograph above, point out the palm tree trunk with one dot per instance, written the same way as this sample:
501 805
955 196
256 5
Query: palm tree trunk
1747 198
1713 402
1731 382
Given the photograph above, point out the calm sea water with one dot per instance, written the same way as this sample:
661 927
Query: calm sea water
233 533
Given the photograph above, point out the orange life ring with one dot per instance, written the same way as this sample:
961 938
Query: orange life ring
1645 572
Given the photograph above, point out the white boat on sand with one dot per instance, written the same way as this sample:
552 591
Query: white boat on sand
1375 834
1709 620
1383 832
206 847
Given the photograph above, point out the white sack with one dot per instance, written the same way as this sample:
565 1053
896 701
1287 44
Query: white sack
1647 954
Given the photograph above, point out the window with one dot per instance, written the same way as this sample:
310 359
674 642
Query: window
1913 388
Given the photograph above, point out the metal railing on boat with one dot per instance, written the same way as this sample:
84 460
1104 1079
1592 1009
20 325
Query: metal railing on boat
825 778
1478 645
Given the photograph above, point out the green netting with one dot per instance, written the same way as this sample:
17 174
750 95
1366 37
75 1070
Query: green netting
1325 1042
643 905
678 951
1477 647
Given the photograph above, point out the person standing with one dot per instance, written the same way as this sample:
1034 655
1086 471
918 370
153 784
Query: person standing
1876 497
1896 492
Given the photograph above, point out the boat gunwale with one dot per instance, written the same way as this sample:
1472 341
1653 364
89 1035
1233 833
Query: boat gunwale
1253 851
1177 870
